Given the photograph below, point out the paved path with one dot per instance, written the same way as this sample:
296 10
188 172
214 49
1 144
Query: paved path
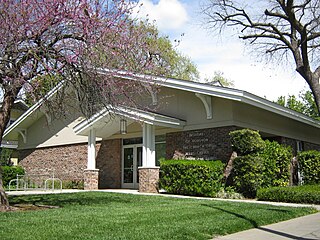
304 228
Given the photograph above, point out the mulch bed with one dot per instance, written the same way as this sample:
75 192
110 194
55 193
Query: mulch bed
26 207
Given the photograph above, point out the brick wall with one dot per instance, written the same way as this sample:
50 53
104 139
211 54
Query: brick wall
311 146
211 143
69 162
290 142
305 145
109 163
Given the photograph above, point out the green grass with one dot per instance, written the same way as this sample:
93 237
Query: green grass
97 215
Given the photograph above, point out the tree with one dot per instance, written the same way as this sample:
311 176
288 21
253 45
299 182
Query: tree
304 104
171 63
219 79
177 64
279 28
72 40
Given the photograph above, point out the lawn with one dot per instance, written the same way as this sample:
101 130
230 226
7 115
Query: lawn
98 215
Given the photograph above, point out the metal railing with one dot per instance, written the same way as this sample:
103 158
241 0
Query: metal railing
31 182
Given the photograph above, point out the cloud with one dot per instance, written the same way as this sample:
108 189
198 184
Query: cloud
168 14
226 53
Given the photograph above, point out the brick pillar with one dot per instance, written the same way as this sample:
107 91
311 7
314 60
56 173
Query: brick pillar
91 179
149 179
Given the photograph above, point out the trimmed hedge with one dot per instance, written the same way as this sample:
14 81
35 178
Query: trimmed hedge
191 177
247 174
309 166
246 141
295 194
276 162
10 172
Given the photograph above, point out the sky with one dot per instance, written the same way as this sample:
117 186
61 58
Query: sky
225 52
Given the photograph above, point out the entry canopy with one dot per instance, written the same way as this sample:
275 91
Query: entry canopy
107 121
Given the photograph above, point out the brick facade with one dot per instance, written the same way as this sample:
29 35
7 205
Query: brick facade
293 144
69 162
91 179
310 146
109 163
66 162
210 143
149 179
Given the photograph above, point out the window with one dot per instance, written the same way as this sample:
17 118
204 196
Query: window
299 146
160 146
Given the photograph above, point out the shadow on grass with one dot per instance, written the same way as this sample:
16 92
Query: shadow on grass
255 224
70 199
252 222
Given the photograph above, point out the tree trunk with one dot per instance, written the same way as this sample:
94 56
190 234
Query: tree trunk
8 101
315 88
4 203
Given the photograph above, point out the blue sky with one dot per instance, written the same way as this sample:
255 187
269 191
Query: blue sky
226 53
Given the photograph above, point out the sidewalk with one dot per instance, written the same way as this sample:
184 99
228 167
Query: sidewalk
304 228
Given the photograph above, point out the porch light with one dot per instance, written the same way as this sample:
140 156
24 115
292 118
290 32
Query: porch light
123 126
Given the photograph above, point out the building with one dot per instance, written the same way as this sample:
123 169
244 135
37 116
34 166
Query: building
189 120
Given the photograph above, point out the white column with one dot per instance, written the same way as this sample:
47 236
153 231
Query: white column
149 147
92 150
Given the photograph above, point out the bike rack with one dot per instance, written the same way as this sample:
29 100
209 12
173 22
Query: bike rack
28 182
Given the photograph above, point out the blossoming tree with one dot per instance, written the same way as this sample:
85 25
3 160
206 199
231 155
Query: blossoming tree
71 41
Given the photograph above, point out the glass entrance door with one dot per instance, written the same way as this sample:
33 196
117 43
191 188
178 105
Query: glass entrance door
131 160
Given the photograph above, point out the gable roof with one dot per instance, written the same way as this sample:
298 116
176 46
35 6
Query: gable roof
26 119
29 116
220 92
107 128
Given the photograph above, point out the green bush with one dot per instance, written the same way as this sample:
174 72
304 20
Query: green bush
56 184
191 177
246 141
295 194
309 166
74 184
10 172
276 161
247 174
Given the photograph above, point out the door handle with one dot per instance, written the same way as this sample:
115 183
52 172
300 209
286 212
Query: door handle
131 168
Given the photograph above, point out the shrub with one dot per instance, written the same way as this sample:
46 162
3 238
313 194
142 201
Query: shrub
10 172
74 184
191 177
228 193
309 166
247 174
276 161
246 141
295 194
53 184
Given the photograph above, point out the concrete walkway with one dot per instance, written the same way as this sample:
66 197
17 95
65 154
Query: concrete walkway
304 228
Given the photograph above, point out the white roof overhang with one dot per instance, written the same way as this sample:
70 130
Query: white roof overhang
29 117
217 91
107 121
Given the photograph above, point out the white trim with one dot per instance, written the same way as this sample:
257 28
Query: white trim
216 91
195 87
206 100
135 166
149 146
23 133
32 109
91 164
131 113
